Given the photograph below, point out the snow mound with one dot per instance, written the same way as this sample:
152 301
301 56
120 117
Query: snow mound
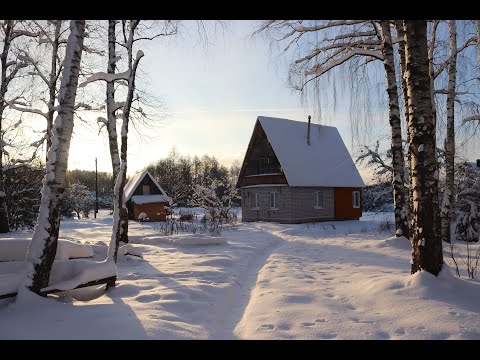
16 249
129 249
186 240
399 242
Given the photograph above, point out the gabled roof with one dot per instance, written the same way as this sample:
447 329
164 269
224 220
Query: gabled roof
325 162
133 183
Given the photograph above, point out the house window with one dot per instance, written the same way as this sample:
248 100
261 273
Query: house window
263 165
356 199
255 203
273 201
146 189
318 200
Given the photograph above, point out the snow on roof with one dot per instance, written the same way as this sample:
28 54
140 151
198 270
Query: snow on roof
132 184
147 199
325 162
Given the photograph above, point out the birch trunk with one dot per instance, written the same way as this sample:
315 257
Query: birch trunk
8 29
426 241
52 85
448 196
111 106
43 246
408 180
401 221
431 72
120 215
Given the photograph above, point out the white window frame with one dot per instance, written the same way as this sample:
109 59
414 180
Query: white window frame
274 207
317 206
256 202
356 206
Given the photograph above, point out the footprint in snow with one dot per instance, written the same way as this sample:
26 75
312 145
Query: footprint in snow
307 324
266 327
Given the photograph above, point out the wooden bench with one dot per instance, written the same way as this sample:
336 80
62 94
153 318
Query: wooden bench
110 281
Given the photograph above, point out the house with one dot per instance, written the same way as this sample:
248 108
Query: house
296 172
144 194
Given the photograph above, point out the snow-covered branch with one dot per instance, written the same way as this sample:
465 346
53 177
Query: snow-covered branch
103 76
472 118
470 42
319 70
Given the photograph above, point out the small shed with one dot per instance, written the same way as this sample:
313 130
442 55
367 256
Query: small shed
144 194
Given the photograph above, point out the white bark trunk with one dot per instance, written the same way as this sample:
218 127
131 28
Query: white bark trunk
448 196
407 179
120 223
426 241
42 248
401 221
111 104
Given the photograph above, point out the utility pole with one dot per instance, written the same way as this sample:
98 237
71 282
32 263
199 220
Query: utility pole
95 211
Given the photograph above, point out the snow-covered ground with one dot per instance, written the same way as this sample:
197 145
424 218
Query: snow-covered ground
332 280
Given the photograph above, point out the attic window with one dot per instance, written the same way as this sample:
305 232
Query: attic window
146 189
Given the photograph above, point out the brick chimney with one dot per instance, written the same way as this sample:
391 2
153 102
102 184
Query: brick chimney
308 132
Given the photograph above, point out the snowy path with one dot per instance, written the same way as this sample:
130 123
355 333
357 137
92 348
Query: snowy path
245 282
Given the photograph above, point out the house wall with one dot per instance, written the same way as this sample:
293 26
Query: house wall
154 211
295 204
344 209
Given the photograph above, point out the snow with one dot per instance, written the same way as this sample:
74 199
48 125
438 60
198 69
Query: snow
329 280
133 183
326 162
147 199
12 249
186 240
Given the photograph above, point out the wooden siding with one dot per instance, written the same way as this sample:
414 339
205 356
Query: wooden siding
344 209
260 159
154 211
295 204
263 179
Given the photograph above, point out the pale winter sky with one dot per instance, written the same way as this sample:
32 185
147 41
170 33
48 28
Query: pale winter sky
212 96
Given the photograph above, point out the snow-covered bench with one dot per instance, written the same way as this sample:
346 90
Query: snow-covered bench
65 275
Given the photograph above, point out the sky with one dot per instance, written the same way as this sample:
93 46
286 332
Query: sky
212 97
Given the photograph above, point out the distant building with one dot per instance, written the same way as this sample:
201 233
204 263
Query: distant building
295 172
144 194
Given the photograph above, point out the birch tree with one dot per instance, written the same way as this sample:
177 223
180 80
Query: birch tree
43 246
130 34
400 203
11 64
427 251
448 195
50 34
